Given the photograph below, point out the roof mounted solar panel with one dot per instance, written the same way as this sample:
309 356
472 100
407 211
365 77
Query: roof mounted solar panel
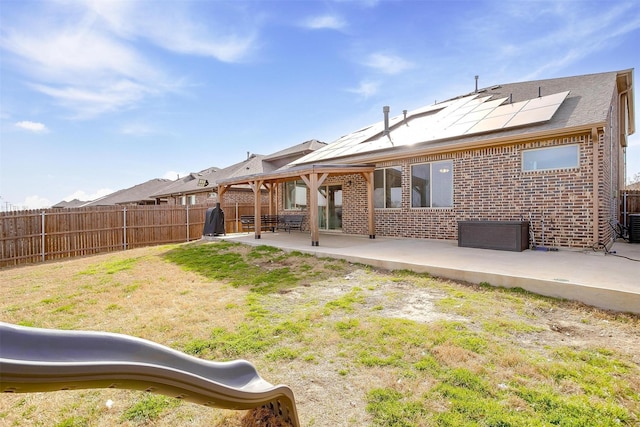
545 101
456 118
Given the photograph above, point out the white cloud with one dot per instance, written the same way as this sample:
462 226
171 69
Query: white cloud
189 40
571 32
173 175
35 202
330 22
387 64
365 89
89 102
85 197
32 126
137 129
89 57
171 27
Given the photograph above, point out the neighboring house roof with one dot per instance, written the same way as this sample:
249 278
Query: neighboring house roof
138 194
288 155
71 204
501 111
635 186
296 150
206 181
253 165
194 182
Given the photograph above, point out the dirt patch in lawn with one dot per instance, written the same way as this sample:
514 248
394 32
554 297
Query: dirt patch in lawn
336 333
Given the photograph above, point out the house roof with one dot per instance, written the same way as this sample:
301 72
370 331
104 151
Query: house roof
75 203
297 150
194 182
295 172
140 193
506 111
207 180
254 164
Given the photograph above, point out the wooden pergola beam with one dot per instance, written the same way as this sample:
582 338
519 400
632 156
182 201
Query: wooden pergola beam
313 176
256 186
369 178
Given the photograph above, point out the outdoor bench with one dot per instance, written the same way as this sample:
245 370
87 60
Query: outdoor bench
267 222
291 222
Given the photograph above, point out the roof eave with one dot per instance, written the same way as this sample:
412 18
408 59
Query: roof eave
625 86
291 173
393 154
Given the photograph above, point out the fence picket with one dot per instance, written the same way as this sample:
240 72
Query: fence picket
41 235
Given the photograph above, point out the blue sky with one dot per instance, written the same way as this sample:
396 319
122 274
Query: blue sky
96 96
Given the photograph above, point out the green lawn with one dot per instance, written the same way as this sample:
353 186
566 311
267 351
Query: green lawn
357 345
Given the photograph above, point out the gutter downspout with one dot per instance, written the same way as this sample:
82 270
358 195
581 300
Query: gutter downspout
624 92
613 208
624 148
596 199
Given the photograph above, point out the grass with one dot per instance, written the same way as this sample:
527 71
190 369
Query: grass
148 408
338 334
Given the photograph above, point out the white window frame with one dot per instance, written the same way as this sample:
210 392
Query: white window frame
437 167
300 196
530 165
384 189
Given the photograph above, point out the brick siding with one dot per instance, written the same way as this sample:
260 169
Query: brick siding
489 184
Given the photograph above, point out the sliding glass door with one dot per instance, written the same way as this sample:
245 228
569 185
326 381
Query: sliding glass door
330 207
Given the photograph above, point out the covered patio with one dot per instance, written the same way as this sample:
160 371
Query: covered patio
313 176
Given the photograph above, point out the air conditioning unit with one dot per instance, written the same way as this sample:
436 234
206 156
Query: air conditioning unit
634 228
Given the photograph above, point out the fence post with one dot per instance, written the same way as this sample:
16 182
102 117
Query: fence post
187 222
43 233
624 211
124 228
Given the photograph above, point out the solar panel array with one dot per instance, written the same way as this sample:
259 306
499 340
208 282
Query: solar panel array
460 117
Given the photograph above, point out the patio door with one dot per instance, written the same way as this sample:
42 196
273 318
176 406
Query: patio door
330 207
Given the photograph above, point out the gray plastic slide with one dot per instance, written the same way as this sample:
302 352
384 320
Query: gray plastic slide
35 360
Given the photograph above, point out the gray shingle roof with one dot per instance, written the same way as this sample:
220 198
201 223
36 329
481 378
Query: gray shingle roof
587 104
297 150
253 165
204 180
141 193
75 203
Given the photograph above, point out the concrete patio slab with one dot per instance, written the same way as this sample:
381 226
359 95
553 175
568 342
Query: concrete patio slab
609 281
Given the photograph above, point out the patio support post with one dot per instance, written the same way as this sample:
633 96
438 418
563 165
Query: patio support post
257 211
314 182
368 177
313 209
271 186
221 190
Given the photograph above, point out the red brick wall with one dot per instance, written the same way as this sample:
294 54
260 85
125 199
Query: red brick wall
489 184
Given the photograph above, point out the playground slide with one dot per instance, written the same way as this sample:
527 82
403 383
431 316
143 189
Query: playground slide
36 360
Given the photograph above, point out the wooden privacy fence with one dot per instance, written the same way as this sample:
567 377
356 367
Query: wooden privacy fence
629 203
42 235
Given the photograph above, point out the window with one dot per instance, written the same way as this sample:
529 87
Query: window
432 185
183 200
192 199
387 187
563 157
295 194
